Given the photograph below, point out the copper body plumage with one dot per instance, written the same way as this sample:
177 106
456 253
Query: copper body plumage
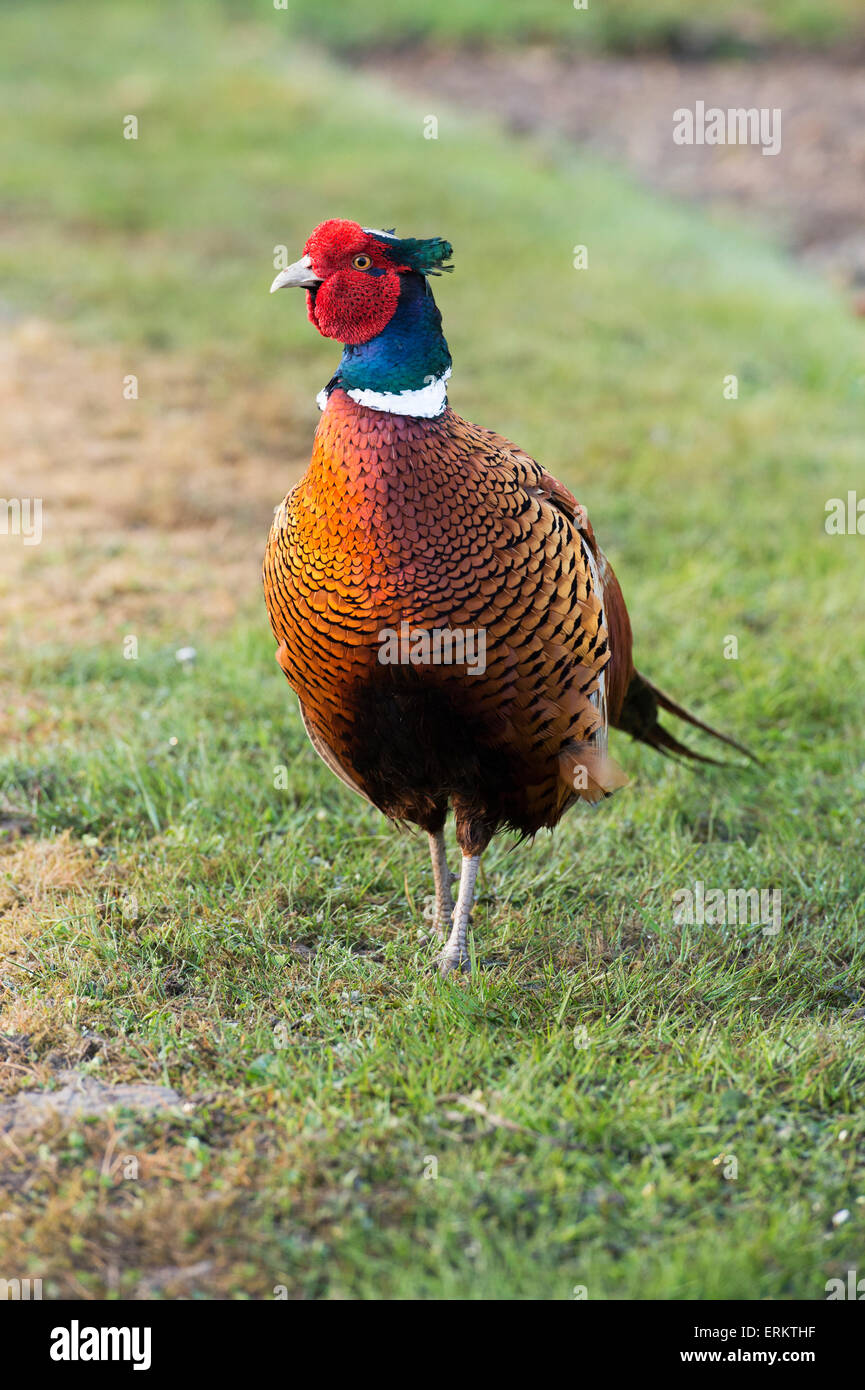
440 525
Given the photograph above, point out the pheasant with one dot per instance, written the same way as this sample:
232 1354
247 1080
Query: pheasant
454 634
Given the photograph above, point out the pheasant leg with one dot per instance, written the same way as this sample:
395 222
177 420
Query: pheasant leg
455 953
444 903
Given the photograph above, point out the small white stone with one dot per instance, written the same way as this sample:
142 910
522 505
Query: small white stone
840 1217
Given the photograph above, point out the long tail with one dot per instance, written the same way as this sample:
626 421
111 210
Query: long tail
639 718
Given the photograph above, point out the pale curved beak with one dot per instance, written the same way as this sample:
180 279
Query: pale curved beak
298 276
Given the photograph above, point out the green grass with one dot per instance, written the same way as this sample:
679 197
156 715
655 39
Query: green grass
724 27
258 948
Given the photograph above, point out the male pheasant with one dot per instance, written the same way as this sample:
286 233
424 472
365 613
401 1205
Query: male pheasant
454 634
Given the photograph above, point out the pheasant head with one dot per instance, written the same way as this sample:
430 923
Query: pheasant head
369 290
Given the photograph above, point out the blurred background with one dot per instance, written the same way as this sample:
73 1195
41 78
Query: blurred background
160 898
155 158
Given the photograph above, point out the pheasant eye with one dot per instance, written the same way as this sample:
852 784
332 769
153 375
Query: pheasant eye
362 262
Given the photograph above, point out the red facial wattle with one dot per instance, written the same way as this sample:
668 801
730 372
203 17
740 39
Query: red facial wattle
352 305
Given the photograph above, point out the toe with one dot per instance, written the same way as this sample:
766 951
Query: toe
448 963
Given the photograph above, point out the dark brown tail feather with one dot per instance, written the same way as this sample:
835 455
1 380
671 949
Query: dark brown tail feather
639 718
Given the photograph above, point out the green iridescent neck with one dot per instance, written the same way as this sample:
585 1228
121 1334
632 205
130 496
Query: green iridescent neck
409 354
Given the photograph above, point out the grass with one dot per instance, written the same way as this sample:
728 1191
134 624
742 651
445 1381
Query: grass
177 914
727 27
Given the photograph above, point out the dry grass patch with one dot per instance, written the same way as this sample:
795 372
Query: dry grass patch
36 877
154 510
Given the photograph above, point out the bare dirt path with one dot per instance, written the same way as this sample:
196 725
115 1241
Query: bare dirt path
810 196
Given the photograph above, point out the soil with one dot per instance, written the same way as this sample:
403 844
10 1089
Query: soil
82 1097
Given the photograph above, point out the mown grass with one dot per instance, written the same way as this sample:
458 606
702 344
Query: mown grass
257 946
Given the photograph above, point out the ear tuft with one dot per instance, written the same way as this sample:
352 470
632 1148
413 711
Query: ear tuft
426 255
